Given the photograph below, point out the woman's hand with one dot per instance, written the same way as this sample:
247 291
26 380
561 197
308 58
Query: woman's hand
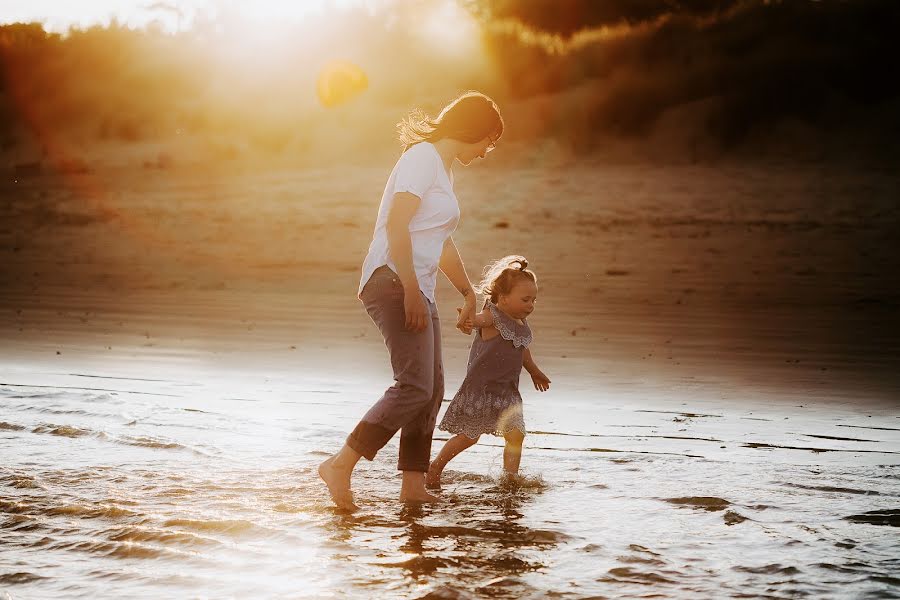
415 309
541 381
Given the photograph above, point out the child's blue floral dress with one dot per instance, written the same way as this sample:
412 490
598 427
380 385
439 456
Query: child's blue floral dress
488 400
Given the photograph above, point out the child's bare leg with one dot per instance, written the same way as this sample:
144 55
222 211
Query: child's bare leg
454 446
336 472
512 452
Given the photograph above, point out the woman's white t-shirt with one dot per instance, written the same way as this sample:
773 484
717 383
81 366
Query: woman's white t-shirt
420 171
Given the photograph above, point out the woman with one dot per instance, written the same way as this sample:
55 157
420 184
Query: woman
418 213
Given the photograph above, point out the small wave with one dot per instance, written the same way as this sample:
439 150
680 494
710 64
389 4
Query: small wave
639 548
284 507
518 536
62 411
829 488
871 427
14 508
177 492
149 442
840 568
419 564
230 527
838 438
642 560
707 503
629 575
19 578
177 538
20 482
90 512
761 445
890 517
62 430
21 524
772 569
117 549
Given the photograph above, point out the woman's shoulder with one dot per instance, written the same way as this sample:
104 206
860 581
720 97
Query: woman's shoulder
416 170
422 151
420 158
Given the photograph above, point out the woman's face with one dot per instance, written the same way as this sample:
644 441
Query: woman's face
477 150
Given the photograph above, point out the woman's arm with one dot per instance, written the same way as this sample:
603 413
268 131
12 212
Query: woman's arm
452 266
403 209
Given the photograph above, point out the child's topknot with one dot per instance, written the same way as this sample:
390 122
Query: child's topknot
500 276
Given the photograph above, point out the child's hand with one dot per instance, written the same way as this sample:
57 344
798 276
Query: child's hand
541 381
463 324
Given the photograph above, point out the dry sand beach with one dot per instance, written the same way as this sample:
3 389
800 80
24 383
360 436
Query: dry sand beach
181 347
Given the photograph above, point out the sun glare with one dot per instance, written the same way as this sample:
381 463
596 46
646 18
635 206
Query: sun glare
450 27
60 15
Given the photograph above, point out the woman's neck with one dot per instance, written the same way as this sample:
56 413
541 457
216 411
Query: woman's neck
448 149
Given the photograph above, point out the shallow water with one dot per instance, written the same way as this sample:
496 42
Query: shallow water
202 484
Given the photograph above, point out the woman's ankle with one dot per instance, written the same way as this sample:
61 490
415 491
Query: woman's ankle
346 458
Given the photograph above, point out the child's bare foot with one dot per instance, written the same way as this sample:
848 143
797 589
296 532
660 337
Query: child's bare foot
338 482
510 480
433 478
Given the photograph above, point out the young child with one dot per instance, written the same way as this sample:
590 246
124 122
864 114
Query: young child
488 400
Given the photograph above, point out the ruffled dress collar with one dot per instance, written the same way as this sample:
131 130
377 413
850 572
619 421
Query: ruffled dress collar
517 333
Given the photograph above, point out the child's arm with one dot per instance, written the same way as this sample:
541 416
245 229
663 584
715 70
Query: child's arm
541 381
480 320
483 319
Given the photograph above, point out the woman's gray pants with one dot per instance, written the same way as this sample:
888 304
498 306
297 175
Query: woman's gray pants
412 403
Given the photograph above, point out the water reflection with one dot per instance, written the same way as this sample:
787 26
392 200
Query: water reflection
473 540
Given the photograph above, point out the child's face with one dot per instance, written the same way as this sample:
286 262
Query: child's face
519 302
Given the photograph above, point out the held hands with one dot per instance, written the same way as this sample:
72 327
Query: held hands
541 381
416 312
464 320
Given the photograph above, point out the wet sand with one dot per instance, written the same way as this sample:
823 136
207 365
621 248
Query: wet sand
723 419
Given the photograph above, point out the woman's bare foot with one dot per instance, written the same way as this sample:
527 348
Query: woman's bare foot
338 481
418 496
413 488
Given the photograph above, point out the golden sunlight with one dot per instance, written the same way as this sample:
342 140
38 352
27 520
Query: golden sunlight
175 15
451 28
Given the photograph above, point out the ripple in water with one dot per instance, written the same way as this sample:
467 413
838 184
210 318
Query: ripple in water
95 502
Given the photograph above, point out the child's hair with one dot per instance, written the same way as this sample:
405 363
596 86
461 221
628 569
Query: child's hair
468 118
500 276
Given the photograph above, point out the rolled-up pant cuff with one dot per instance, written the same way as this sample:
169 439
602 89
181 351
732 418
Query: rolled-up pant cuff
367 439
415 453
